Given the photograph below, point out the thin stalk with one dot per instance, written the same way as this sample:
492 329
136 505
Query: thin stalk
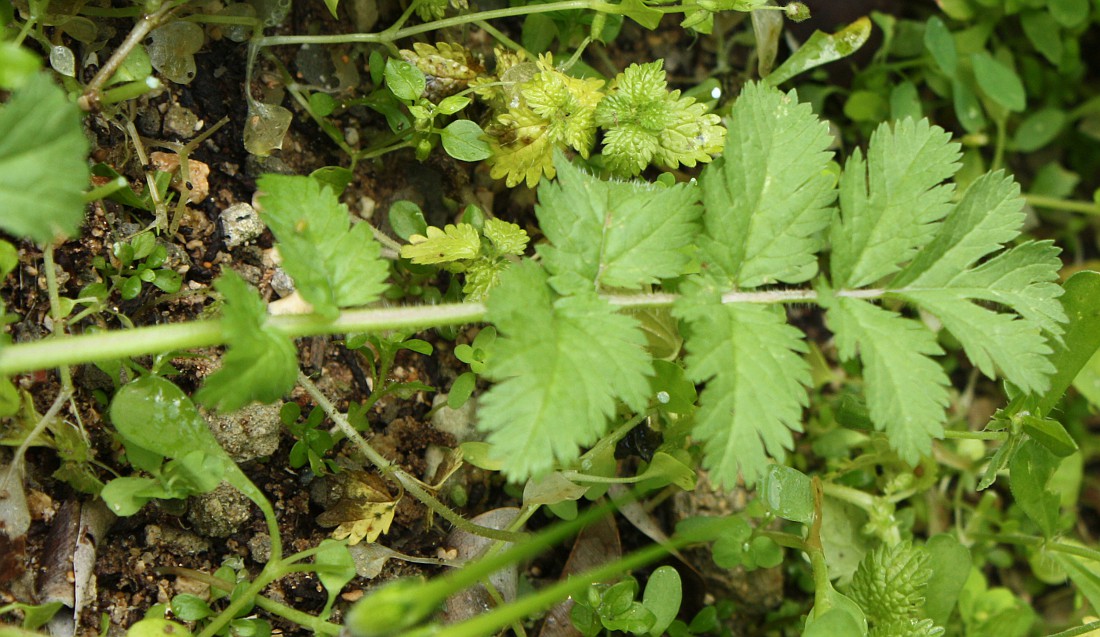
386 37
15 470
270 573
275 608
1054 203
1083 629
975 435
56 314
89 101
408 482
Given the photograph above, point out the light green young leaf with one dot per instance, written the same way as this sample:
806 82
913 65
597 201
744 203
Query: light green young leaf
506 237
452 243
822 48
906 390
889 205
1022 278
260 364
767 198
465 141
615 234
750 359
333 266
43 167
561 366
993 341
989 215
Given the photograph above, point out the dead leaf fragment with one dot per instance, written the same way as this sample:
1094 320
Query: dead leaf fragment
364 512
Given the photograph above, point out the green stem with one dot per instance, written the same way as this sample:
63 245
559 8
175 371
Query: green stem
275 608
975 435
408 482
490 623
385 37
270 573
1083 629
1054 203
73 350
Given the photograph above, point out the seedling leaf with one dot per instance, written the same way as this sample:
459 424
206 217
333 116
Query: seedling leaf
560 365
43 170
260 364
334 266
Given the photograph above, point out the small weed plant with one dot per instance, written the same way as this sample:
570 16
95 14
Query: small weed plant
676 307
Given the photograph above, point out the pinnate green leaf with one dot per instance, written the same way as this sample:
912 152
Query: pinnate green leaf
614 234
889 203
452 243
906 390
767 198
332 264
561 365
43 167
260 364
750 360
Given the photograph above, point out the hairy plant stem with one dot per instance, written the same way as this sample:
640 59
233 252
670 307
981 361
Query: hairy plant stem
74 350
388 36
407 482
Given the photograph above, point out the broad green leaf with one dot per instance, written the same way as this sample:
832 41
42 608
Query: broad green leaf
334 567
1022 278
889 205
1045 35
464 140
999 82
17 64
561 366
994 341
989 215
822 48
614 234
260 364
788 493
941 44
43 166
1051 434
767 198
641 13
950 564
156 415
1029 472
333 266
1069 13
968 108
405 80
905 388
407 219
157 627
756 379
662 597
1039 129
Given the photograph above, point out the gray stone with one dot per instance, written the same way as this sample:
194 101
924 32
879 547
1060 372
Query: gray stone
250 432
220 513
240 224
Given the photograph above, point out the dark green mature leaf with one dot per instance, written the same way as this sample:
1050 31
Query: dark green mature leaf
43 166
749 358
767 198
889 205
333 266
906 390
950 564
260 364
561 365
1030 470
615 234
